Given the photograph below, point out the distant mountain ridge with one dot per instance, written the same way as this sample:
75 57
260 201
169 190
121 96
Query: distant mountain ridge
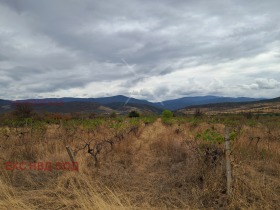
4 102
101 100
234 104
268 106
201 100
119 102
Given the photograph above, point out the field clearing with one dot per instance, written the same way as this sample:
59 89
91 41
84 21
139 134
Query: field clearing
143 164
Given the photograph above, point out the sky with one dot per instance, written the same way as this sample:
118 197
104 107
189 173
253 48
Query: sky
153 50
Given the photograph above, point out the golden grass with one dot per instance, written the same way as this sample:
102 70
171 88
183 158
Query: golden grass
155 168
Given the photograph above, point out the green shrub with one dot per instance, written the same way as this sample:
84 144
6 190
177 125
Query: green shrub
210 136
167 117
251 123
233 136
149 120
167 114
133 114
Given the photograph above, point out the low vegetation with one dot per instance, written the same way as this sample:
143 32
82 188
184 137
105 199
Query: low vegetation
133 114
144 162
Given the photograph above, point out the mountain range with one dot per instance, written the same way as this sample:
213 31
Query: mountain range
119 103
268 106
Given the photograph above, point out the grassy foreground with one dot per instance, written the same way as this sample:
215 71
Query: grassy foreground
142 164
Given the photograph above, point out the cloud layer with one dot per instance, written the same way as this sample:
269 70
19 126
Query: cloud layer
154 50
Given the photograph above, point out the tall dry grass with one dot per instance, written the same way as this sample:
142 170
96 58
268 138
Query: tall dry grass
155 167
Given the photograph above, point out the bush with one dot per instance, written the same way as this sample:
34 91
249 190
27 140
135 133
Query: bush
133 114
113 115
167 117
167 114
248 115
198 112
23 110
210 136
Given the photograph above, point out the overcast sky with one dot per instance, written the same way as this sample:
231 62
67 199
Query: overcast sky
154 50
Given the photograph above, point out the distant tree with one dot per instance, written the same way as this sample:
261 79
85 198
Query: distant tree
198 112
133 114
248 115
23 110
167 114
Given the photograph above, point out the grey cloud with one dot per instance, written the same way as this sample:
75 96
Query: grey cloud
52 45
263 83
268 83
162 91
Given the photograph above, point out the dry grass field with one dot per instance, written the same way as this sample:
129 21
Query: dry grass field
257 108
155 165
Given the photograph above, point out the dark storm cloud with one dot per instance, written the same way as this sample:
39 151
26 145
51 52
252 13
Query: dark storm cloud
52 46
